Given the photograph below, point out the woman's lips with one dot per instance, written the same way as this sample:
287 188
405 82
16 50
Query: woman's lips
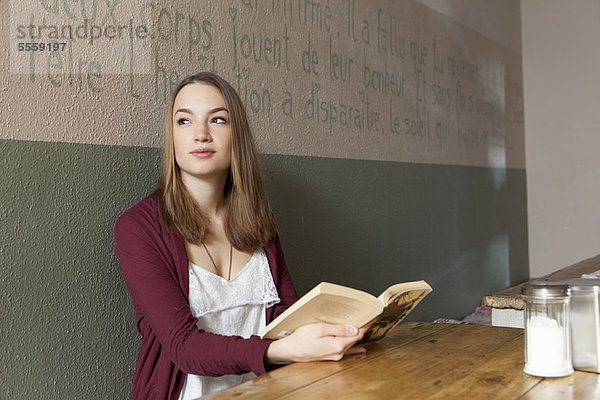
202 153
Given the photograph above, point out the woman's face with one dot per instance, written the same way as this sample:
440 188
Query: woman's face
201 132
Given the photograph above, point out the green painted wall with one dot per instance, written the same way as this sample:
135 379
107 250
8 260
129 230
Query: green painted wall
67 322
71 333
369 224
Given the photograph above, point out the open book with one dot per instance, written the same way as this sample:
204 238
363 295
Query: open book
337 304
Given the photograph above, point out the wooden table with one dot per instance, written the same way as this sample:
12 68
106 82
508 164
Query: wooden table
422 361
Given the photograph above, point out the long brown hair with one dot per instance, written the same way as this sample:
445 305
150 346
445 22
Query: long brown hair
249 222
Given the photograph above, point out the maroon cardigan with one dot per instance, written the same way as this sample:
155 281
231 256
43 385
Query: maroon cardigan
155 268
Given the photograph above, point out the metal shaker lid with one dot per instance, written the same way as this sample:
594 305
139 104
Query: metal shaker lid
545 289
584 285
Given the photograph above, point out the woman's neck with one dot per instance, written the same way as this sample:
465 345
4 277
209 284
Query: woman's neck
208 193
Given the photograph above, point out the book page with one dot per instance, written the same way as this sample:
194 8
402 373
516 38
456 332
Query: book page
335 311
329 308
336 304
398 308
395 290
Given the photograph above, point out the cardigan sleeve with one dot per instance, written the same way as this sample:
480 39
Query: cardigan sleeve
163 310
285 286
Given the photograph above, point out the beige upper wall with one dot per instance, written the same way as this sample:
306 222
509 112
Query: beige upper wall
561 55
384 80
497 20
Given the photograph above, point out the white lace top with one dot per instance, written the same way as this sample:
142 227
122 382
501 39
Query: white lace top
235 307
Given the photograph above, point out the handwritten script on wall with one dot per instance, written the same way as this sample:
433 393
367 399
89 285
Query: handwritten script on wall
382 80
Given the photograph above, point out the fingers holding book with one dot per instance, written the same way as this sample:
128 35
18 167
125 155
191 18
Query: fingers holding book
317 342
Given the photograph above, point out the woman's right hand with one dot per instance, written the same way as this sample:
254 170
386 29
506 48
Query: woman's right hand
315 342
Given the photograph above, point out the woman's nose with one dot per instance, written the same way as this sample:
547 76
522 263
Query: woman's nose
202 135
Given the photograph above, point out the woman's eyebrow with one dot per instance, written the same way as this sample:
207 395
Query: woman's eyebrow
184 110
217 109
211 111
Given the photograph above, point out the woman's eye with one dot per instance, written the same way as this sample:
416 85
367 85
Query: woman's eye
219 120
183 121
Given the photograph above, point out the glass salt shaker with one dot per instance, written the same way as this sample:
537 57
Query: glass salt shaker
585 324
547 334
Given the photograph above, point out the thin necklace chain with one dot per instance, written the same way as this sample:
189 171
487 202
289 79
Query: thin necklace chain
213 261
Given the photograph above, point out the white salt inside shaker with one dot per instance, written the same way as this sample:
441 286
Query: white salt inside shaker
547 336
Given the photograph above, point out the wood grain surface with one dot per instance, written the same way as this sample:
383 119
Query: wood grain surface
511 297
422 361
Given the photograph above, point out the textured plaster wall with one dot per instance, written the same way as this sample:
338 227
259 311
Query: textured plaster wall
426 183
382 80
369 223
67 328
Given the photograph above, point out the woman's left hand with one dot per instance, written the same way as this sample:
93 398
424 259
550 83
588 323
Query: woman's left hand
315 342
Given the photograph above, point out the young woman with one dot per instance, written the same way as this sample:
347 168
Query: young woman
202 260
